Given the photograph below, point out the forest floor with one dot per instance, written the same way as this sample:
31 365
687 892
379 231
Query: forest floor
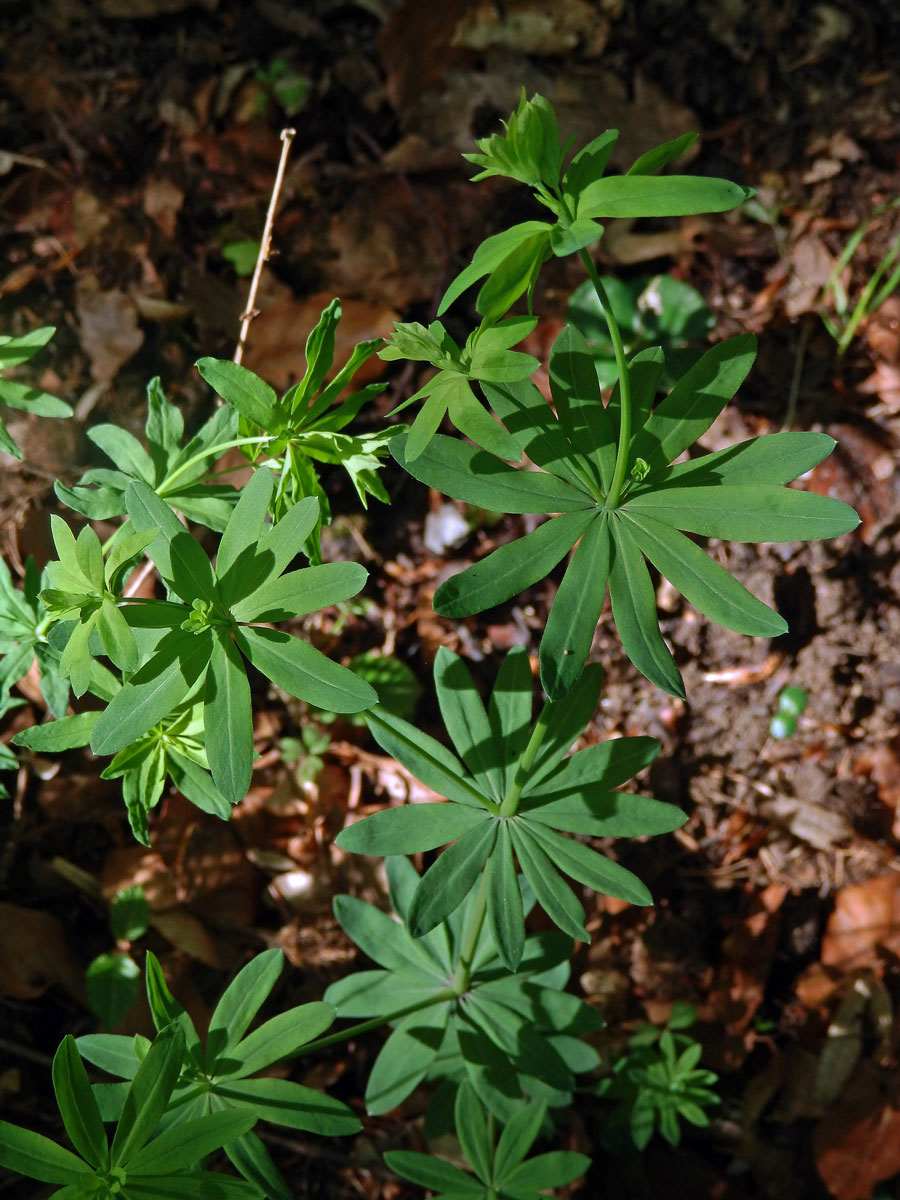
138 144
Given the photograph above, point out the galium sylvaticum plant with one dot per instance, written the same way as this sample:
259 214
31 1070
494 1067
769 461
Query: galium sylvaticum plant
476 1004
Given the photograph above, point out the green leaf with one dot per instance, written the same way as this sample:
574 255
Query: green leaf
511 568
515 275
77 1105
634 611
111 1052
551 1170
178 557
695 402
57 736
472 1131
504 901
576 610
451 878
243 390
553 894
196 785
228 718
251 1158
471 474
517 1139
489 255
301 592
579 403
703 582
747 512
587 166
566 721
153 692
530 419
429 1171
405 1057
240 1002
471 419
190 1142
466 721
427 759
281 1037
166 1010
379 936
189 1186
124 450
247 523
129 914
775 458
293 1105
509 711
569 238
605 814
658 196
592 869
661 156
409 829
148 1095
303 671
111 986
604 765
36 1157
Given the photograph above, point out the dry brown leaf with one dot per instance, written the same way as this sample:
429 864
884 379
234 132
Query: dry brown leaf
35 953
865 924
187 933
884 382
162 204
277 341
109 328
857 1144
811 265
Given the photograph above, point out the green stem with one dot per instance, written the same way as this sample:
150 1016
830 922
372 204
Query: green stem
471 935
618 479
220 449
334 1039
510 804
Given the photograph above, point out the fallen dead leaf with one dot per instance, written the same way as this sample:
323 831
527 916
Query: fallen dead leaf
109 328
857 1143
35 954
277 341
865 924
162 203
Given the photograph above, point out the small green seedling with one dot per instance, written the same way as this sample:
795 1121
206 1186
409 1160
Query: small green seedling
13 352
111 980
222 1076
791 705
657 1084
141 1163
502 1171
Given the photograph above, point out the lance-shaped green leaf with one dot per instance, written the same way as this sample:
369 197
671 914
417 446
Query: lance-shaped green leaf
490 256
243 390
240 1002
661 156
466 721
511 568
36 1157
576 610
406 1057
747 512
703 582
634 611
776 458
304 671
579 404
77 1105
452 878
14 351
410 829
228 717
504 900
658 196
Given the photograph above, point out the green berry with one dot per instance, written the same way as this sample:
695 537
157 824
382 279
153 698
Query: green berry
782 726
792 701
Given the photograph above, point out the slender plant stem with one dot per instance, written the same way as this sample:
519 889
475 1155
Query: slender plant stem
510 804
287 136
220 449
334 1039
471 934
618 479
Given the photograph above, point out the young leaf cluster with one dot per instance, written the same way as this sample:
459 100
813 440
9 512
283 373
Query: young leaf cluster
457 1012
140 1163
502 1171
222 1076
514 795
305 426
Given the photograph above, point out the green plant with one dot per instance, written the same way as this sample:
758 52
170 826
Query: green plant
111 980
473 997
791 705
846 320
222 1075
658 1084
13 352
502 1171
650 311
140 1163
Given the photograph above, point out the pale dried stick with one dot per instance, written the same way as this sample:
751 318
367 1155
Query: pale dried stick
265 245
